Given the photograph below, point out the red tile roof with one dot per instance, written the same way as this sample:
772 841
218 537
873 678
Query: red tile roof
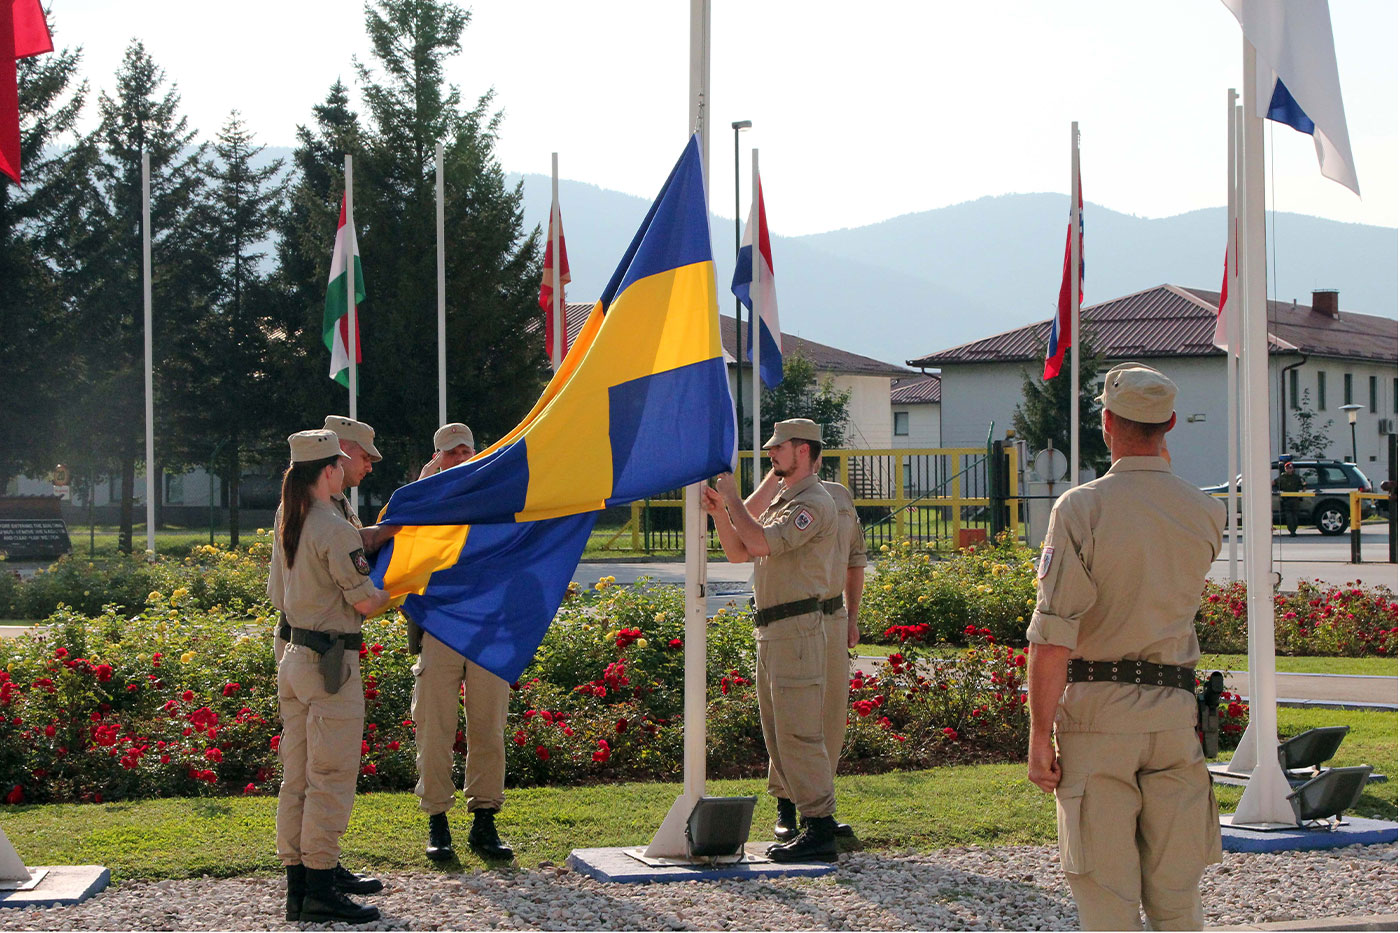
1173 321
916 390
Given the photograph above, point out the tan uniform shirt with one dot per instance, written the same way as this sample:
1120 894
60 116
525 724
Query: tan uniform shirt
850 549
329 576
342 504
1121 576
800 527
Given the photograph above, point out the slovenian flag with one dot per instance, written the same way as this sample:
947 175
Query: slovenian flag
1058 343
1296 79
753 286
335 322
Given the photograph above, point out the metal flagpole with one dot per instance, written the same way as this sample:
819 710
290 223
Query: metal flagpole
556 350
353 341
1264 800
151 490
1074 304
441 295
669 841
1232 343
755 332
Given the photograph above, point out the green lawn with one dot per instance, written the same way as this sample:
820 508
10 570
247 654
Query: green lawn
971 805
1377 667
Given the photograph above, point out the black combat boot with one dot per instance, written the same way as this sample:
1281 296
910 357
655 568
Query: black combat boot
845 830
296 890
439 839
352 883
484 839
785 830
324 904
816 844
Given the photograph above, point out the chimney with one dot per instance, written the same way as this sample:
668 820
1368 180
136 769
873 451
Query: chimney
1325 302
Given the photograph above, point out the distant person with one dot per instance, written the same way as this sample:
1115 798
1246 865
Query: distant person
1290 481
1112 670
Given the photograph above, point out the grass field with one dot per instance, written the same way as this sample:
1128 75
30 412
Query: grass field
973 805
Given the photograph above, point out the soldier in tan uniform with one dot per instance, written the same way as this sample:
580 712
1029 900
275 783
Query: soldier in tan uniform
444 682
793 545
1113 651
325 592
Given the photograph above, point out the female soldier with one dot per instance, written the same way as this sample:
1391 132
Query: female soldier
325 593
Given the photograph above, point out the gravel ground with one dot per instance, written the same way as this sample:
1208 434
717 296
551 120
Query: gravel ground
955 889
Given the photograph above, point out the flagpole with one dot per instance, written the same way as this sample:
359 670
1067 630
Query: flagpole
353 337
1232 342
1074 287
151 489
669 841
755 325
441 295
556 350
1264 800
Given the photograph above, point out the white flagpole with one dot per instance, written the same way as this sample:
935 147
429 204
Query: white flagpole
352 344
669 841
1232 344
556 349
1074 304
441 294
1264 800
755 330
151 490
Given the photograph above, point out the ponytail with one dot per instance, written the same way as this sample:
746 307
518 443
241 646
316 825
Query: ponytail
296 502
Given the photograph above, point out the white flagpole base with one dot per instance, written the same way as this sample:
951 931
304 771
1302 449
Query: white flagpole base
1265 798
11 866
1245 758
669 841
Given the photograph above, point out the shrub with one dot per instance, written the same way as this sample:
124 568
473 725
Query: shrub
1347 620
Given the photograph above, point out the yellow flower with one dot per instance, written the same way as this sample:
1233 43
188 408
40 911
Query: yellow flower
180 593
889 587
885 548
922 598
172 614
262 531
719 611
660 617
154 596
641 642
1020 618
600 586
187 657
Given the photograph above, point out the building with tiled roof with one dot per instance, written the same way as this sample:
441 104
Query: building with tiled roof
1318 355
917 409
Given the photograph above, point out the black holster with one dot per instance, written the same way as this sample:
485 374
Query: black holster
331 648
1208 714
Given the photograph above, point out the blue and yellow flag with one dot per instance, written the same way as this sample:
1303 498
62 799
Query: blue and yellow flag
640 406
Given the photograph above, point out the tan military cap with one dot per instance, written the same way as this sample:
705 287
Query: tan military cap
450 435
794 429
1139 393
314 445
356 431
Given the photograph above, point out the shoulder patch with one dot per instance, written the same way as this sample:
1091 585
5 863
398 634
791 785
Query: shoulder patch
802 519
357 557
1047 554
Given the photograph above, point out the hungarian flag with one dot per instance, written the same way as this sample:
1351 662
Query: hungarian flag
23 33
556 222
335 323
1060 327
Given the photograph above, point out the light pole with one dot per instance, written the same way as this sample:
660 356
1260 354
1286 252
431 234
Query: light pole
738 321
1351 408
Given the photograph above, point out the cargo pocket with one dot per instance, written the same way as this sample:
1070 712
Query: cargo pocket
1210 838
1069 814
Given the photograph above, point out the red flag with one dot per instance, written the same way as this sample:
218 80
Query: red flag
1221 338
1059 340
547 282
23 33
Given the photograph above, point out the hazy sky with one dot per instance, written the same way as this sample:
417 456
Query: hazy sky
861 111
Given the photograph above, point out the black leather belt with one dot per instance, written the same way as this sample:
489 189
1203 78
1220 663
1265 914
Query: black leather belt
318 641
1132 672
797 607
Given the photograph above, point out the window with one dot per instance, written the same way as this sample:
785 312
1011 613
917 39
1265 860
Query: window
1395 395
901 424
1346 389
1321 391
1373 395
1334 476
1293 389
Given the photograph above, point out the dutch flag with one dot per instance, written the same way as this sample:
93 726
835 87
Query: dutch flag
753 286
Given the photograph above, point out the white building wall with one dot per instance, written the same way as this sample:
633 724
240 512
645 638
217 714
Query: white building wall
925 425
869 407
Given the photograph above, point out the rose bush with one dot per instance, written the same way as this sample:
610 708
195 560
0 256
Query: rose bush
1346 620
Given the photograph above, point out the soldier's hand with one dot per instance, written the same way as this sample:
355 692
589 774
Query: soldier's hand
1042 765
726 487
852 634
711 501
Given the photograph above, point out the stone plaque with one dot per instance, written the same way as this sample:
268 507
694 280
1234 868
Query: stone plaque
33 537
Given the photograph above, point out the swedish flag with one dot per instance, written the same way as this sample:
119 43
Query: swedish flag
639 406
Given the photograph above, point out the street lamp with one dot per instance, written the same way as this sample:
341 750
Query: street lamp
738 322
1351 409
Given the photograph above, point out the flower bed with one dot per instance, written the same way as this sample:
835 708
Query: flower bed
1346 620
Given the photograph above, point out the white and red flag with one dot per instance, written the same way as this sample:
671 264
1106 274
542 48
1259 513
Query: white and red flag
335 322
1059 340
556 223
23 32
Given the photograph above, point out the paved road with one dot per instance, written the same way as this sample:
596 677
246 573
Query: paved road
1313 555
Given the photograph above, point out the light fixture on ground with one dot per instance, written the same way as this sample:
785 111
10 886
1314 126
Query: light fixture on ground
1329 795
1351 408
719 826
1310 749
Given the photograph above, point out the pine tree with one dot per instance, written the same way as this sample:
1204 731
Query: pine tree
1042 418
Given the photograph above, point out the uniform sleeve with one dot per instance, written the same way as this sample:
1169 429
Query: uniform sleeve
857 556
349 568
1064 589
797 524
275 585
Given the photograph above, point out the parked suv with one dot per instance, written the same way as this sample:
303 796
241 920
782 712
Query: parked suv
1332 482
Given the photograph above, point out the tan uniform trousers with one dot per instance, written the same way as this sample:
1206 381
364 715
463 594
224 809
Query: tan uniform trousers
320 754
438 680
1137 824
836 698
791 682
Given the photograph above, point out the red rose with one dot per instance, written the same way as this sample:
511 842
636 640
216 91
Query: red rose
103 672
230 689
60 652
49 730
621 726
376 649
214 755
165 759
393 746
251 788
369 768
542 753
276 742
16 795
364 747
519 737
187 696
950 732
